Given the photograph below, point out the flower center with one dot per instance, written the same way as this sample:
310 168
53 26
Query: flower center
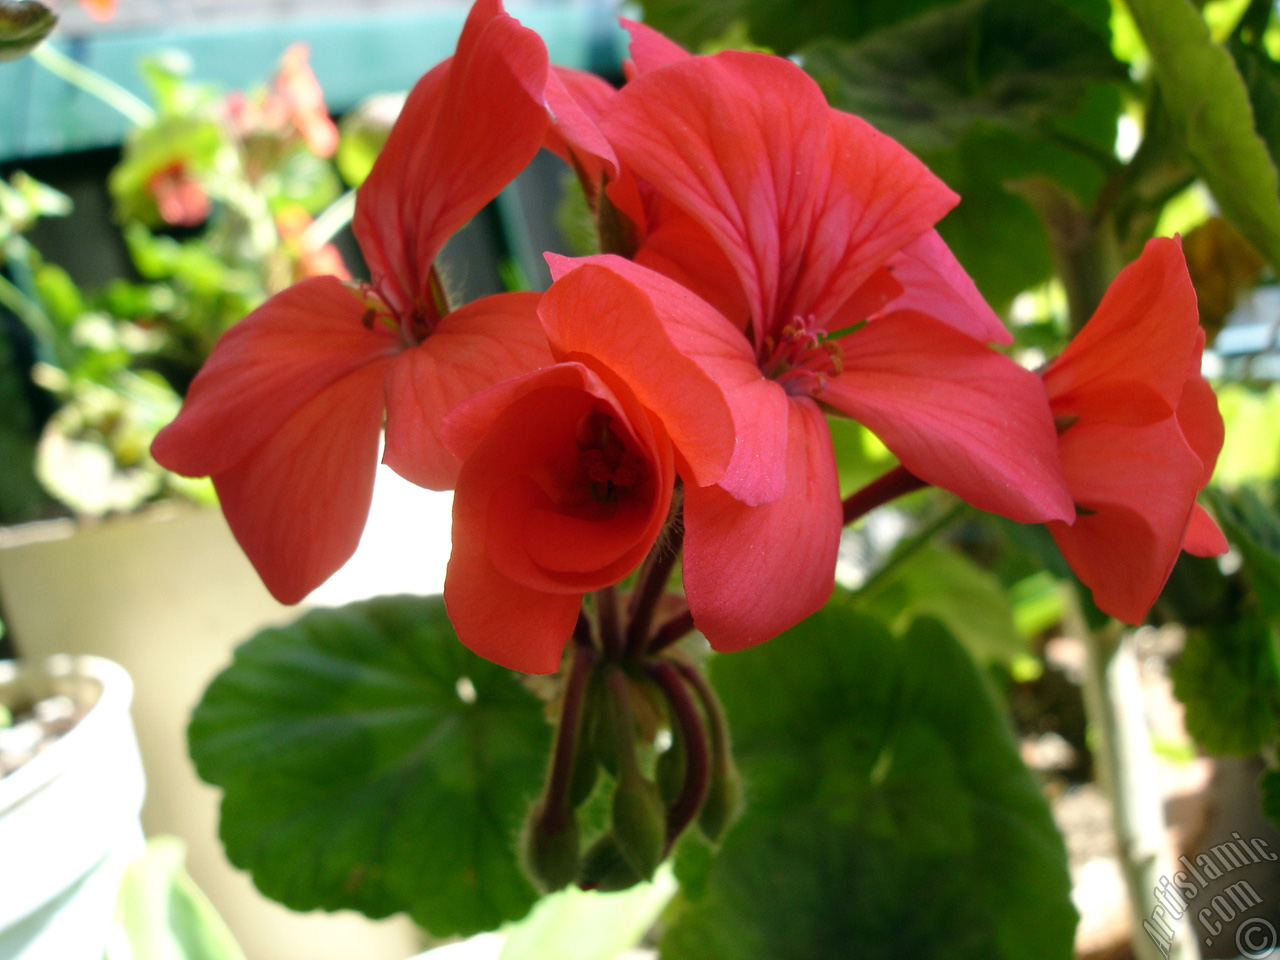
609 468
801 357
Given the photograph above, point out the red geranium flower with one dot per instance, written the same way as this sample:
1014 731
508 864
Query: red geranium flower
286 415
1141 435
568 472
810 209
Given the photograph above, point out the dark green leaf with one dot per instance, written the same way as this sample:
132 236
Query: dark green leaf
888 814
371 762
1254 529
1227 678
1005 63
1209 106
1270 789
781 25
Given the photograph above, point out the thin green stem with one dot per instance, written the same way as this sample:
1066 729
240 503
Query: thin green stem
331 220
28 311
95 84
653 584
607 623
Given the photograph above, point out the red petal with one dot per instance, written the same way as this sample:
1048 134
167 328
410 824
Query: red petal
667 345
299 502
934 283
650 49
1203 537
575 101
956 413
513 626
1136 487
805 201
468 127
484 343
752 572
1200 420
1141 336
265 369
529 539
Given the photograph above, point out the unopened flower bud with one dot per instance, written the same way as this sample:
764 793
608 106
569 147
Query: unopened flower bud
604 867
551 847
639 823
23 24
724 792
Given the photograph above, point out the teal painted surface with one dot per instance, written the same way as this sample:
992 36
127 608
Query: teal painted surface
41 115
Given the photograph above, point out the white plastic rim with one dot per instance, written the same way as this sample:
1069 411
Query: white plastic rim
69 818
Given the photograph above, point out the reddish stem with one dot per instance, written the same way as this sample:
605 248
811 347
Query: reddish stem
894 484
697 776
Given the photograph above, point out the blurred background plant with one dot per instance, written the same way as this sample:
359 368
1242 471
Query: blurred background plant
215 195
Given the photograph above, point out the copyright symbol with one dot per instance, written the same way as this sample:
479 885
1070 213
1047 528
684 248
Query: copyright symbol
1255 938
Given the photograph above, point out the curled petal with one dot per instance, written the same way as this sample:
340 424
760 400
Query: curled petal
956 413
265 369
665 343
575 102
934 283
512 625
484 343
752 572
564 488
1140 337
1135 487
467 128
1203 537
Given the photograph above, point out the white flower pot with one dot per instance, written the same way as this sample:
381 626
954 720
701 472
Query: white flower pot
69 818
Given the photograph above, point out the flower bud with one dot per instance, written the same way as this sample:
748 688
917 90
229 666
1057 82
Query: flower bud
724 793
23 24
671 769
604 867
551 848
639 823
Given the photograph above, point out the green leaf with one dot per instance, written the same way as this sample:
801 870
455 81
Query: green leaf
781 25
162 915
941 583
1254 529
1209 106
371 762
1227 678
928 81
1269 786
888 813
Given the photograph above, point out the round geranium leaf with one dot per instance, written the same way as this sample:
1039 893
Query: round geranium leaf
371 762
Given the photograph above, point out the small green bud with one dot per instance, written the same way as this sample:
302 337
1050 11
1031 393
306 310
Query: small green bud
724 793
639 823
23 24
604 868
552 850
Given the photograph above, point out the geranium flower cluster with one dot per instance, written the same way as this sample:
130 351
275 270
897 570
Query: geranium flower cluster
768 262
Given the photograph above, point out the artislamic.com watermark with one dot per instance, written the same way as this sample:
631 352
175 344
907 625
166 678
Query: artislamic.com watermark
1223 913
